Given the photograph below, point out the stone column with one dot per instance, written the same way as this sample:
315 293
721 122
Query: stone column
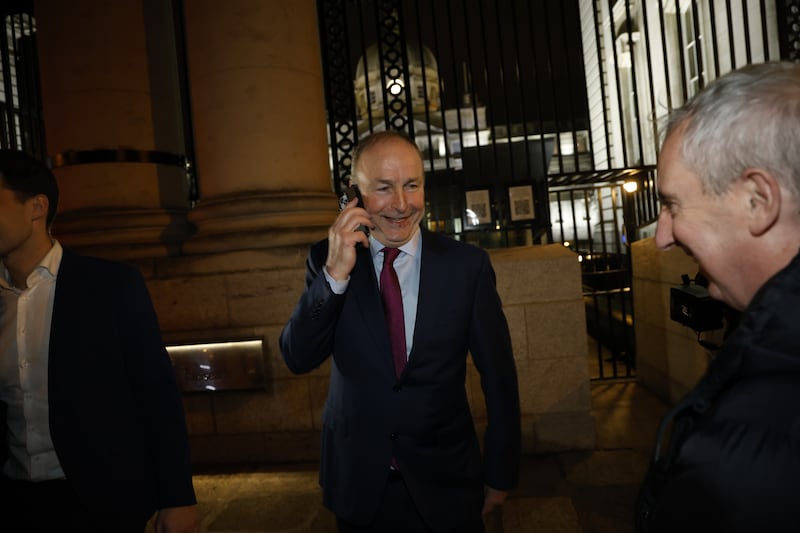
259 125
113 125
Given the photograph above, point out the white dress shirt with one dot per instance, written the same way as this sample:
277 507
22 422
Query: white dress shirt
407 266
24 347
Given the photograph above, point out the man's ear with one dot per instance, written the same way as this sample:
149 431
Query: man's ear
40 204
763 194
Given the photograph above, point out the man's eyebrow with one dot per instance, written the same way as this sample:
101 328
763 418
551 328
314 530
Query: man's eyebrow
390 181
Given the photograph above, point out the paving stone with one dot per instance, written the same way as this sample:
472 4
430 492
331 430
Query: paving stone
570 491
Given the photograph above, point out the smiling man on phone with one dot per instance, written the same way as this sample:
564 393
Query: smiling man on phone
399 311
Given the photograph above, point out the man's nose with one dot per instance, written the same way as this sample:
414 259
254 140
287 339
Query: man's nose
664 238
400 200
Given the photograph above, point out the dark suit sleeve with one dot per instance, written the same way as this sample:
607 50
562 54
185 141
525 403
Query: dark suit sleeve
3 434
116 416
490 346
307 338
152 379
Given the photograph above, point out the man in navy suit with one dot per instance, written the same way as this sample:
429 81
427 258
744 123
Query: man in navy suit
400 452
94 437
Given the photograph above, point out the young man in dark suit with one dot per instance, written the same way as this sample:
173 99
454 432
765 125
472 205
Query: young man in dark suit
399 447
94 430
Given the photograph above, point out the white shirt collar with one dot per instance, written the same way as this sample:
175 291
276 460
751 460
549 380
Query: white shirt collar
46 269
411 247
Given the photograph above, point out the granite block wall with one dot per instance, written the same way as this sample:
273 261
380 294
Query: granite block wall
669 359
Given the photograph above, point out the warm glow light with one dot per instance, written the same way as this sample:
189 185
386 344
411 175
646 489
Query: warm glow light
472 218
395 86
212 347
630 186
215 366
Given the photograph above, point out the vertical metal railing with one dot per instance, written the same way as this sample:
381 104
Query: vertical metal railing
498 95
789 27
21 124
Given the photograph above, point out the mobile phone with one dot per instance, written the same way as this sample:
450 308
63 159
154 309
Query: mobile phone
348 194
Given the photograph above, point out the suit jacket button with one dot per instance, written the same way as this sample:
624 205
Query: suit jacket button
394 436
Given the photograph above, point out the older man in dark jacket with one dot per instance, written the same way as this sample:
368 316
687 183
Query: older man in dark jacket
729 176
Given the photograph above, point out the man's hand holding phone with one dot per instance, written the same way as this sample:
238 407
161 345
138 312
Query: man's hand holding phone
349 230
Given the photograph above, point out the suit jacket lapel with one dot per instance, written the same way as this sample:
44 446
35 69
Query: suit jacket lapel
68 314
432 289
60 325
364 288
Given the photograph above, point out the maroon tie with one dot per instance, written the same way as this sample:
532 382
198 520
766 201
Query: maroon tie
393 309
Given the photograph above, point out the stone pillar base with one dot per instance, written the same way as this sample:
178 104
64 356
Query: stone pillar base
123 234
260 219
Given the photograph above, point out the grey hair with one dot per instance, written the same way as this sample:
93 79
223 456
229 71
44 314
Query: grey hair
749 118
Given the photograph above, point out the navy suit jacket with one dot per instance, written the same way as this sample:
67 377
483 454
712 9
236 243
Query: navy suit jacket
423 418
116 417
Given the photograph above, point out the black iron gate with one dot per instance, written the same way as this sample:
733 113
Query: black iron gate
533 114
